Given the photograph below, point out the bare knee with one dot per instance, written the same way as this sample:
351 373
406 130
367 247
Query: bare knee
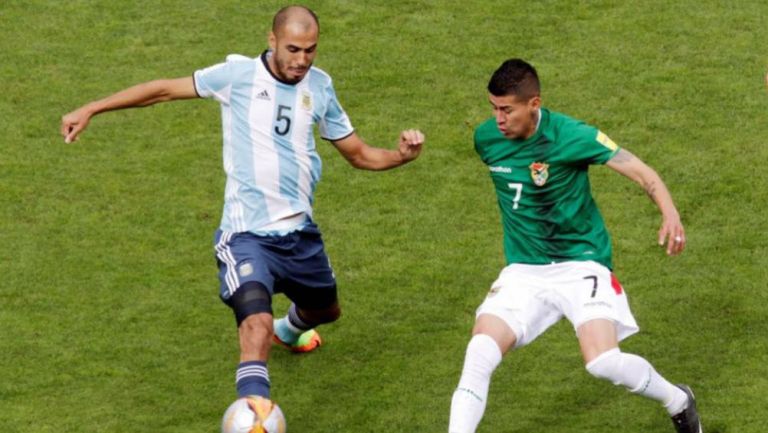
497 329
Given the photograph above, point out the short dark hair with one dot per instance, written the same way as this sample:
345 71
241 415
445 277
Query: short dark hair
515 77
281 17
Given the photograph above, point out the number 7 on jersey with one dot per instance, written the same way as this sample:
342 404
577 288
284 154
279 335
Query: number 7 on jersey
518 187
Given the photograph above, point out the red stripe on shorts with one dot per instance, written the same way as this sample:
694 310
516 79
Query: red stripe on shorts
616 284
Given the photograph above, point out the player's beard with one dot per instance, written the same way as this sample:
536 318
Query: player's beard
284 71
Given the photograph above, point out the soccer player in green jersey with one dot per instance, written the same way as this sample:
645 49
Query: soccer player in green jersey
557 249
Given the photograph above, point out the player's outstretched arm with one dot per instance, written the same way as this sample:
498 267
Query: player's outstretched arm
366 157
671 232
140 95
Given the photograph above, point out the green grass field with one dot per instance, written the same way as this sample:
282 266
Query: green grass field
109 312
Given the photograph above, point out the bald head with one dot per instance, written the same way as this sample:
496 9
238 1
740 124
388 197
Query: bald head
299 17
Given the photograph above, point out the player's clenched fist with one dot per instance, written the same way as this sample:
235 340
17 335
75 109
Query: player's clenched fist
410 144
73 123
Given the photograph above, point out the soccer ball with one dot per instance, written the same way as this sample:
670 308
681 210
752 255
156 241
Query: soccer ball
253 414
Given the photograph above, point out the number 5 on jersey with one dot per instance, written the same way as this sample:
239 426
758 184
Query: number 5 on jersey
281 117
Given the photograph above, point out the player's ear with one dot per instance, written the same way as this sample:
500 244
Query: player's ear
272 41
534 103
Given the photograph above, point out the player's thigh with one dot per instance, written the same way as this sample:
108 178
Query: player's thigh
307 278
596 336
246 278
589 292
523 304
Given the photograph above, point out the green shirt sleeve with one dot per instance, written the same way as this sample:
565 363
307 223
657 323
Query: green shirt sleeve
587 144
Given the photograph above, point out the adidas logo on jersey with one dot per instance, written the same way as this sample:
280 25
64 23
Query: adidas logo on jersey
263 95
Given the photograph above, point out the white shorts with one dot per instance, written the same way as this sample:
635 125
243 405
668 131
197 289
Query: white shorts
531 298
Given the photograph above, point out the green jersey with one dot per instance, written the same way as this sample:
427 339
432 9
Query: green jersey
543 191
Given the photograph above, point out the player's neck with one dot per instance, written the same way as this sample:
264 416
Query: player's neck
536 123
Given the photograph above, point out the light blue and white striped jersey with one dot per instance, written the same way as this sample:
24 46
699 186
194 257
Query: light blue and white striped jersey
270 158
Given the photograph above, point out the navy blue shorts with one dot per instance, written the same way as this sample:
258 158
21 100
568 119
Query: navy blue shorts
294 264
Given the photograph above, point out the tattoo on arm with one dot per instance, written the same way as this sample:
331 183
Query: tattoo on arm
624 157
650 189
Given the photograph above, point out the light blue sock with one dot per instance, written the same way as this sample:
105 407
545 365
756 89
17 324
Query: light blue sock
286 332
289 328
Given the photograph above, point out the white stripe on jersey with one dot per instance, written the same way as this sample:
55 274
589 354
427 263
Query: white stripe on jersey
231 198
264 156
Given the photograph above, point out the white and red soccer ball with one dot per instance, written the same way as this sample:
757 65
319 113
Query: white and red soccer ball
253 414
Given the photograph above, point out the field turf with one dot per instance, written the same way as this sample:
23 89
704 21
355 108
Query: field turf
109 312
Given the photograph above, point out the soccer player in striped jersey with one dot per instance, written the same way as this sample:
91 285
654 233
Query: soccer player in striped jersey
557 249
267 242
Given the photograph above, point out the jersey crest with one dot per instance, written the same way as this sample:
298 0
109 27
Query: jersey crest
539 173
306 101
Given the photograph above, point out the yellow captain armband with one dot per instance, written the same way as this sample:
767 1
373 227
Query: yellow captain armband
606 141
